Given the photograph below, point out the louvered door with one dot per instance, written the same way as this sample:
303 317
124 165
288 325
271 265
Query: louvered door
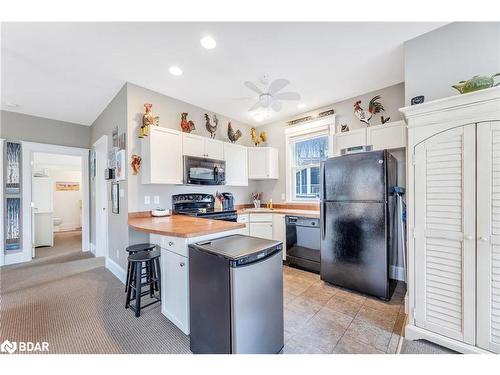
444 233
488 232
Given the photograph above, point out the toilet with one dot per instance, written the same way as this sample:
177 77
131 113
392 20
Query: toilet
57 221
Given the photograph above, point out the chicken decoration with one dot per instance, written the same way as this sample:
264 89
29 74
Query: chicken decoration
147 120
187 126
231 134
258 139
212 129
373 108
135 163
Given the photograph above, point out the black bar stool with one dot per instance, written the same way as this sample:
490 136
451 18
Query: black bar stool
151 260
132 249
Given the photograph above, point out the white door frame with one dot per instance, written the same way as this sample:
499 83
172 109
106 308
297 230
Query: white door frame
28 149
2 238
101 198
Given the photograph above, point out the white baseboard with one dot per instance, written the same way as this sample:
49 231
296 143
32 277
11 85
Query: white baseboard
397 273
116 270
92 248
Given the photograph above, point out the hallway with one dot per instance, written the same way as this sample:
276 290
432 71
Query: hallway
64 243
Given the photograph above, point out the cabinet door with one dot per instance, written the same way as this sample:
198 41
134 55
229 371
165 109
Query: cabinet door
236 165
348 139
257 163
193 145
444 233
43 192
175 289
262 230
214 149
165 156
244 219
386 136
488 232
279 230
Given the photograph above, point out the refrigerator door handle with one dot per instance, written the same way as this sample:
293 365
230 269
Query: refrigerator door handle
322 181
322 220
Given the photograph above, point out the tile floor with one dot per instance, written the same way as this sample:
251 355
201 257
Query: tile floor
321 318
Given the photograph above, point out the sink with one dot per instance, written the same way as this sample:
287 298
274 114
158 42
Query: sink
260 209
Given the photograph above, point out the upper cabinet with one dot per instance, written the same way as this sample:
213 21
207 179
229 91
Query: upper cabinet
202 147
263 163
162 156
380 137
236 158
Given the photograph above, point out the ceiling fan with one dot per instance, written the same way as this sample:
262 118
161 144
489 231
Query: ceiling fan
270 97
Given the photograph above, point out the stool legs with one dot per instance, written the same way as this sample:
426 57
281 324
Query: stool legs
138 289
128 288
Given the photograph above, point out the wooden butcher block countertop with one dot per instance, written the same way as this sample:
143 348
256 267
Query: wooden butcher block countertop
180 225
284 211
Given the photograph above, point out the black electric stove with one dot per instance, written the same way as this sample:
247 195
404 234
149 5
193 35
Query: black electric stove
201 205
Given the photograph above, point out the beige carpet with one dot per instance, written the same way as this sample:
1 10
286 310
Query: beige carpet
64 243
68 298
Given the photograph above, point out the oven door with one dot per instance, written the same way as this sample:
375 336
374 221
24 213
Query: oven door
200 171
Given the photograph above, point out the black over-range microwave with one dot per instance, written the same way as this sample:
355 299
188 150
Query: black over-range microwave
201 171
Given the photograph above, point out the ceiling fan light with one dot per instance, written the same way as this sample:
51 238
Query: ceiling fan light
258 117
301 106
175 70
208 42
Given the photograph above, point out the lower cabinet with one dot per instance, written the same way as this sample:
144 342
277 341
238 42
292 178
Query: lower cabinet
244 219
279 231
262 230
175 289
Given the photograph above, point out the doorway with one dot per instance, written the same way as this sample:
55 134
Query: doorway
100 198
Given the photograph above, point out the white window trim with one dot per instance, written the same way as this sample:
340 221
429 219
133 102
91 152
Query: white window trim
323 125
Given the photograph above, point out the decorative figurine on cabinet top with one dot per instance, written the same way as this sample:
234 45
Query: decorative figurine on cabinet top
147 120
135 163
344 128
187 126
231 134
373 108
258 139
476 83
212 129
383 119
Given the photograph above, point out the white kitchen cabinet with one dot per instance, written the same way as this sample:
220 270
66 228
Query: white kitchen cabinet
352 138
236 158
387 136
243 218
453 210
263 163
279 231
488 232
262 230
202 147
175 289
162 156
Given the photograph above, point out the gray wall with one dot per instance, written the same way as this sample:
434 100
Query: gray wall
20 127
452 53
115 114
169 110
392 98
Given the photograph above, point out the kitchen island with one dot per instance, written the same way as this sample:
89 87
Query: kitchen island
174 234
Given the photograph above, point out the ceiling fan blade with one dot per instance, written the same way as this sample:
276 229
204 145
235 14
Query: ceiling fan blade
287 96
255 106
252 87
244 98
276 106
277 85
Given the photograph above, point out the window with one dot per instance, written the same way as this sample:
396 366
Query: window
307 152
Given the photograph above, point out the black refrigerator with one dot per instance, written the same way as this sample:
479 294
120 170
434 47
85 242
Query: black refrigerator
356 205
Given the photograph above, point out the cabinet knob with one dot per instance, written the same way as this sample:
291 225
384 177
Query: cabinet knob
170 243
182 264
469 238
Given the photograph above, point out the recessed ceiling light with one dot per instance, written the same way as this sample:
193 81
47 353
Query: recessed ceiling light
175 70
208 42
258 117
301 106
11 105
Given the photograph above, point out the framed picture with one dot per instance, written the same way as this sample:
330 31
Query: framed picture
120 166
115 198
67 186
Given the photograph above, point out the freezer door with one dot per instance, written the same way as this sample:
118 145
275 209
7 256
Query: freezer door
355 177
354 246
257 307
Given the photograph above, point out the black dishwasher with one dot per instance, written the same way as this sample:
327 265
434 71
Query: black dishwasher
303 243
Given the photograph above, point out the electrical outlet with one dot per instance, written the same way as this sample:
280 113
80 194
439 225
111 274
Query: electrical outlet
147 199
157 199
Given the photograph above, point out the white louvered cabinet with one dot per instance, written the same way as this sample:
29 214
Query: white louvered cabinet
453 221
444 233
488 233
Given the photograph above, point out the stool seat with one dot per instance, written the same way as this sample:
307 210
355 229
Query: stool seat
140 247
144 256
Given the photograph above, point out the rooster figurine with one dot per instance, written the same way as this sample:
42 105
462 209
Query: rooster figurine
373 108
187 126
212 129
258 139
231 134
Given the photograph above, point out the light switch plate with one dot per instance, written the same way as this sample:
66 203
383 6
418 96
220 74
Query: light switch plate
147 199
156 199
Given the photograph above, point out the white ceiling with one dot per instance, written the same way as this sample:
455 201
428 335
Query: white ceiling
70 71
